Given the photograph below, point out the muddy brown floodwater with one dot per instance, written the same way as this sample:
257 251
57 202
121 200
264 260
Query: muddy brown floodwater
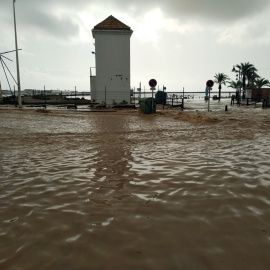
176 190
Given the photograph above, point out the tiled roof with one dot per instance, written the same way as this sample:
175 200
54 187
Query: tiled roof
111 23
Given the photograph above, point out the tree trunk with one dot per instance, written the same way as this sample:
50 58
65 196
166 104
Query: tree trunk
219 92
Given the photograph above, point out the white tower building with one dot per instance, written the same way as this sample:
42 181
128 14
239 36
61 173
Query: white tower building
111 84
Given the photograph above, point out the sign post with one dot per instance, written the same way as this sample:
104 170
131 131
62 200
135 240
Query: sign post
209 98
152 84
163 99
209 85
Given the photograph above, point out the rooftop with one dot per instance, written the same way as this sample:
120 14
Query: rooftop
111 23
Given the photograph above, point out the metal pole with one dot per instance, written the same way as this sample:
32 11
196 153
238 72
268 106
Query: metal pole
45 95
209 100
75 97
105 96
90 96
152 101
90 80
17 59
183 98
14 96
163 99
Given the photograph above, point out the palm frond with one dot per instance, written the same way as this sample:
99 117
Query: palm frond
235 84
221 78
261 82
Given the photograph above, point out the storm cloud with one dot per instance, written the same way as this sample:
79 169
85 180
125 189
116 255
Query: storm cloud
60 16
179 36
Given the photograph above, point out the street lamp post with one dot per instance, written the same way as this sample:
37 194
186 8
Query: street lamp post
17 59
238 95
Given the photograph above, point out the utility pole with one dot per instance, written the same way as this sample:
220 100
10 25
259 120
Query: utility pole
17 59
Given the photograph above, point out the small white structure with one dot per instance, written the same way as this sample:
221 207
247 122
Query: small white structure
111 84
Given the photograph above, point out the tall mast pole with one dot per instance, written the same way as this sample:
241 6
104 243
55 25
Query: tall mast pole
17 59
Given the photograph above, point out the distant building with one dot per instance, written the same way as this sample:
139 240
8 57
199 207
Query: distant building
112 53
258 94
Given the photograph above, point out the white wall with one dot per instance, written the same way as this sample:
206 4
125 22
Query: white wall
112 65
93 88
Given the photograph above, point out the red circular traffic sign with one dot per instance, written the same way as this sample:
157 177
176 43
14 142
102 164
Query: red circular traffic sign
152 83
209 83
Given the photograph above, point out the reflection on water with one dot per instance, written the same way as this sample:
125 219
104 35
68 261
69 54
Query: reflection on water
129 191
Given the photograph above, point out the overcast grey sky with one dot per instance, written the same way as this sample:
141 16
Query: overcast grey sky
179 43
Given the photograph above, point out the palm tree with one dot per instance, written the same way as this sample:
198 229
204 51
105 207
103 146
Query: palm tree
251 77
261 82
220 78
237 85
246 69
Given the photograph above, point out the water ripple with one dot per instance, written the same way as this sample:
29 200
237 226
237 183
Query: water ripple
134 191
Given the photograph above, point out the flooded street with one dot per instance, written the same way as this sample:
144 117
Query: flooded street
176 190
